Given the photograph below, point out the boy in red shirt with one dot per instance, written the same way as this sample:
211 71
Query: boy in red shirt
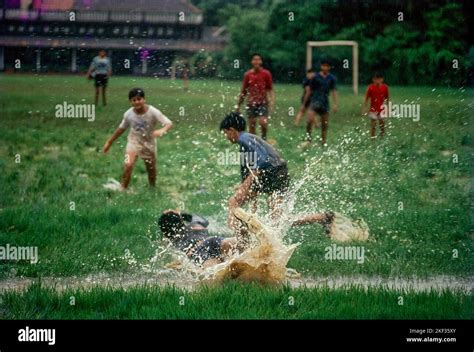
258 85
377 92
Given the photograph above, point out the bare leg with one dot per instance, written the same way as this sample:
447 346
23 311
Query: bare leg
96 100
382 127
311 122
316 218
324 127
150 165
373 124
274 204
104 99
264 126
242 195
300 115
130 158
252 125
211 262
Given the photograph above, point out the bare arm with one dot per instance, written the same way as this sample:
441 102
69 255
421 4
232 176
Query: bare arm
242 95
118 132
271 100
241 196
163 130
307 94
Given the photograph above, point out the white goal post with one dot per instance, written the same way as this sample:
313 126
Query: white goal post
355 57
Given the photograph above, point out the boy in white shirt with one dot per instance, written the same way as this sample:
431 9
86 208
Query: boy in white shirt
141 118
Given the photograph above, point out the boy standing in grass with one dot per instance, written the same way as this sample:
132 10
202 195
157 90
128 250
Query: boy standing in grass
321 85
377 92
306 88
258 86
100 69
142 119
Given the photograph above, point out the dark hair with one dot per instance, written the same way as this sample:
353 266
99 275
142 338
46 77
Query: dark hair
309 70
325 62
171 224
233 120
377 75
136 92
256 54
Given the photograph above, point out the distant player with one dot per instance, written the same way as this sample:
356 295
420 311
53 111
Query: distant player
377 93
321 85
100 69
257 86
141 118
306 87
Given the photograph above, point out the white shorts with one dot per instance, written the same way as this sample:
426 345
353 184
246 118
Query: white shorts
144 152
375 116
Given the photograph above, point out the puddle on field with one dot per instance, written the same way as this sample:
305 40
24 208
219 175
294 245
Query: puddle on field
168 277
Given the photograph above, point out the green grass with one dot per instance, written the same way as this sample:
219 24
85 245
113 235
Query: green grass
233 301
61 163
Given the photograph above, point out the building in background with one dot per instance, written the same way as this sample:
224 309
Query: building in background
142 36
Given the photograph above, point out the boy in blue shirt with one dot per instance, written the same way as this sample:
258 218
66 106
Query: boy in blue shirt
318 95
263 171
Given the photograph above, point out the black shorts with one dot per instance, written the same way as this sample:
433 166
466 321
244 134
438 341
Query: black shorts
319 107
272 180
101 80
208 249
257 110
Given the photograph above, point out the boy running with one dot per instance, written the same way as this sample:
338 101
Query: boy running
258 85
318 97
142 119
306 87
378 94
264 171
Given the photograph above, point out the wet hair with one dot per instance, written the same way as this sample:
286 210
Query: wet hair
171 224
136 92
233 120
256 54
377 75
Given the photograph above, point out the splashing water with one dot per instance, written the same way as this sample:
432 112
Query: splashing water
344 229
263 261
266 258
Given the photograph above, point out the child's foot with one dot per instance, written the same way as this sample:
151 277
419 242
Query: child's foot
327 222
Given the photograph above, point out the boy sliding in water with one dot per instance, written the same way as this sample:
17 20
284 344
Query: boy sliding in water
142 119
189 233
377 93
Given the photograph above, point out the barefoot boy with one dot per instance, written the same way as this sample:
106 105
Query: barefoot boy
142 119
321 85
257 86
306 89
377 93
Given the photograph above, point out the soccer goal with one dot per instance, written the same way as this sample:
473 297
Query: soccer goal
355 57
